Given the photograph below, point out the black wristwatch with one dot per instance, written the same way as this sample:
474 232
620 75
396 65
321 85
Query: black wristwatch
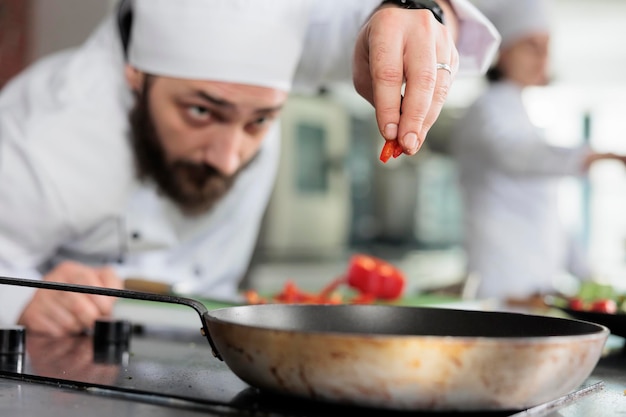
419 4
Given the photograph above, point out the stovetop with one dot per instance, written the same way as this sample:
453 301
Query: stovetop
168 367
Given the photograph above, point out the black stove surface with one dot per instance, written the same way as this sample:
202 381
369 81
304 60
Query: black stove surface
171 368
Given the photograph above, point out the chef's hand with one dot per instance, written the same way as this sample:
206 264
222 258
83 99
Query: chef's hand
404 45
602 156
59 313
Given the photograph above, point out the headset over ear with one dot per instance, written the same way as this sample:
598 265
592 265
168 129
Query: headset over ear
124 22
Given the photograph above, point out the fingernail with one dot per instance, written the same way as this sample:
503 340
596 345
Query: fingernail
410 141
390 131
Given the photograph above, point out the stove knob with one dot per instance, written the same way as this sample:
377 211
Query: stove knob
111 332
111 339
12 348
12 340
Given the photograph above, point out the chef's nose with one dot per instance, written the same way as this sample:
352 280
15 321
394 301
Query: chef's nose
224 149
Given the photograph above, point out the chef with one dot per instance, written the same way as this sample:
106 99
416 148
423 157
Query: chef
515 241
150 150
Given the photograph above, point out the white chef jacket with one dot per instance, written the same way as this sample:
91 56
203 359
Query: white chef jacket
67 184
515 241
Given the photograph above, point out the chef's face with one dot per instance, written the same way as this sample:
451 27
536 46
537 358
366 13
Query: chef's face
193 137
526 60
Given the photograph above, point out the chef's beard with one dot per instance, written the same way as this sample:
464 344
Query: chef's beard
195 188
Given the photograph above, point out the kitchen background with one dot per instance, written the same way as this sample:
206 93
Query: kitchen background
333 197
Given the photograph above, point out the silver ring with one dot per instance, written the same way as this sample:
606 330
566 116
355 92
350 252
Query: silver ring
444 67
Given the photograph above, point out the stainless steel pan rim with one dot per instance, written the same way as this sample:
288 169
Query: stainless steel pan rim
585 329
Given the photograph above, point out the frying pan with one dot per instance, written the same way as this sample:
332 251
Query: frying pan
393 357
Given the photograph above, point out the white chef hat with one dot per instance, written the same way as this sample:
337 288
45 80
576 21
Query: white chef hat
515 19
241 41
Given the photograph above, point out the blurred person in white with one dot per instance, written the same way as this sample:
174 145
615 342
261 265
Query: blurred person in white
151 150
517 246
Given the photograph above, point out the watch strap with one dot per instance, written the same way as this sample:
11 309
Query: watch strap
431 5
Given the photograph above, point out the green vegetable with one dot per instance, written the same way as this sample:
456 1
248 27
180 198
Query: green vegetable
591 291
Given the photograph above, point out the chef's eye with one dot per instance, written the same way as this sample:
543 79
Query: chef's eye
198 112
262 120
259 125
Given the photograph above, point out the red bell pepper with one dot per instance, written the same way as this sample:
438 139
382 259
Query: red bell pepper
397 150
387 151
374 276
390 148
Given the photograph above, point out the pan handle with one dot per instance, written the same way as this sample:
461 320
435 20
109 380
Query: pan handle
111 292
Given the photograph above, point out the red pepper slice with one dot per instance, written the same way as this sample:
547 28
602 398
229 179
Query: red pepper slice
391 148
371 275
397 150
388 150
292 294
